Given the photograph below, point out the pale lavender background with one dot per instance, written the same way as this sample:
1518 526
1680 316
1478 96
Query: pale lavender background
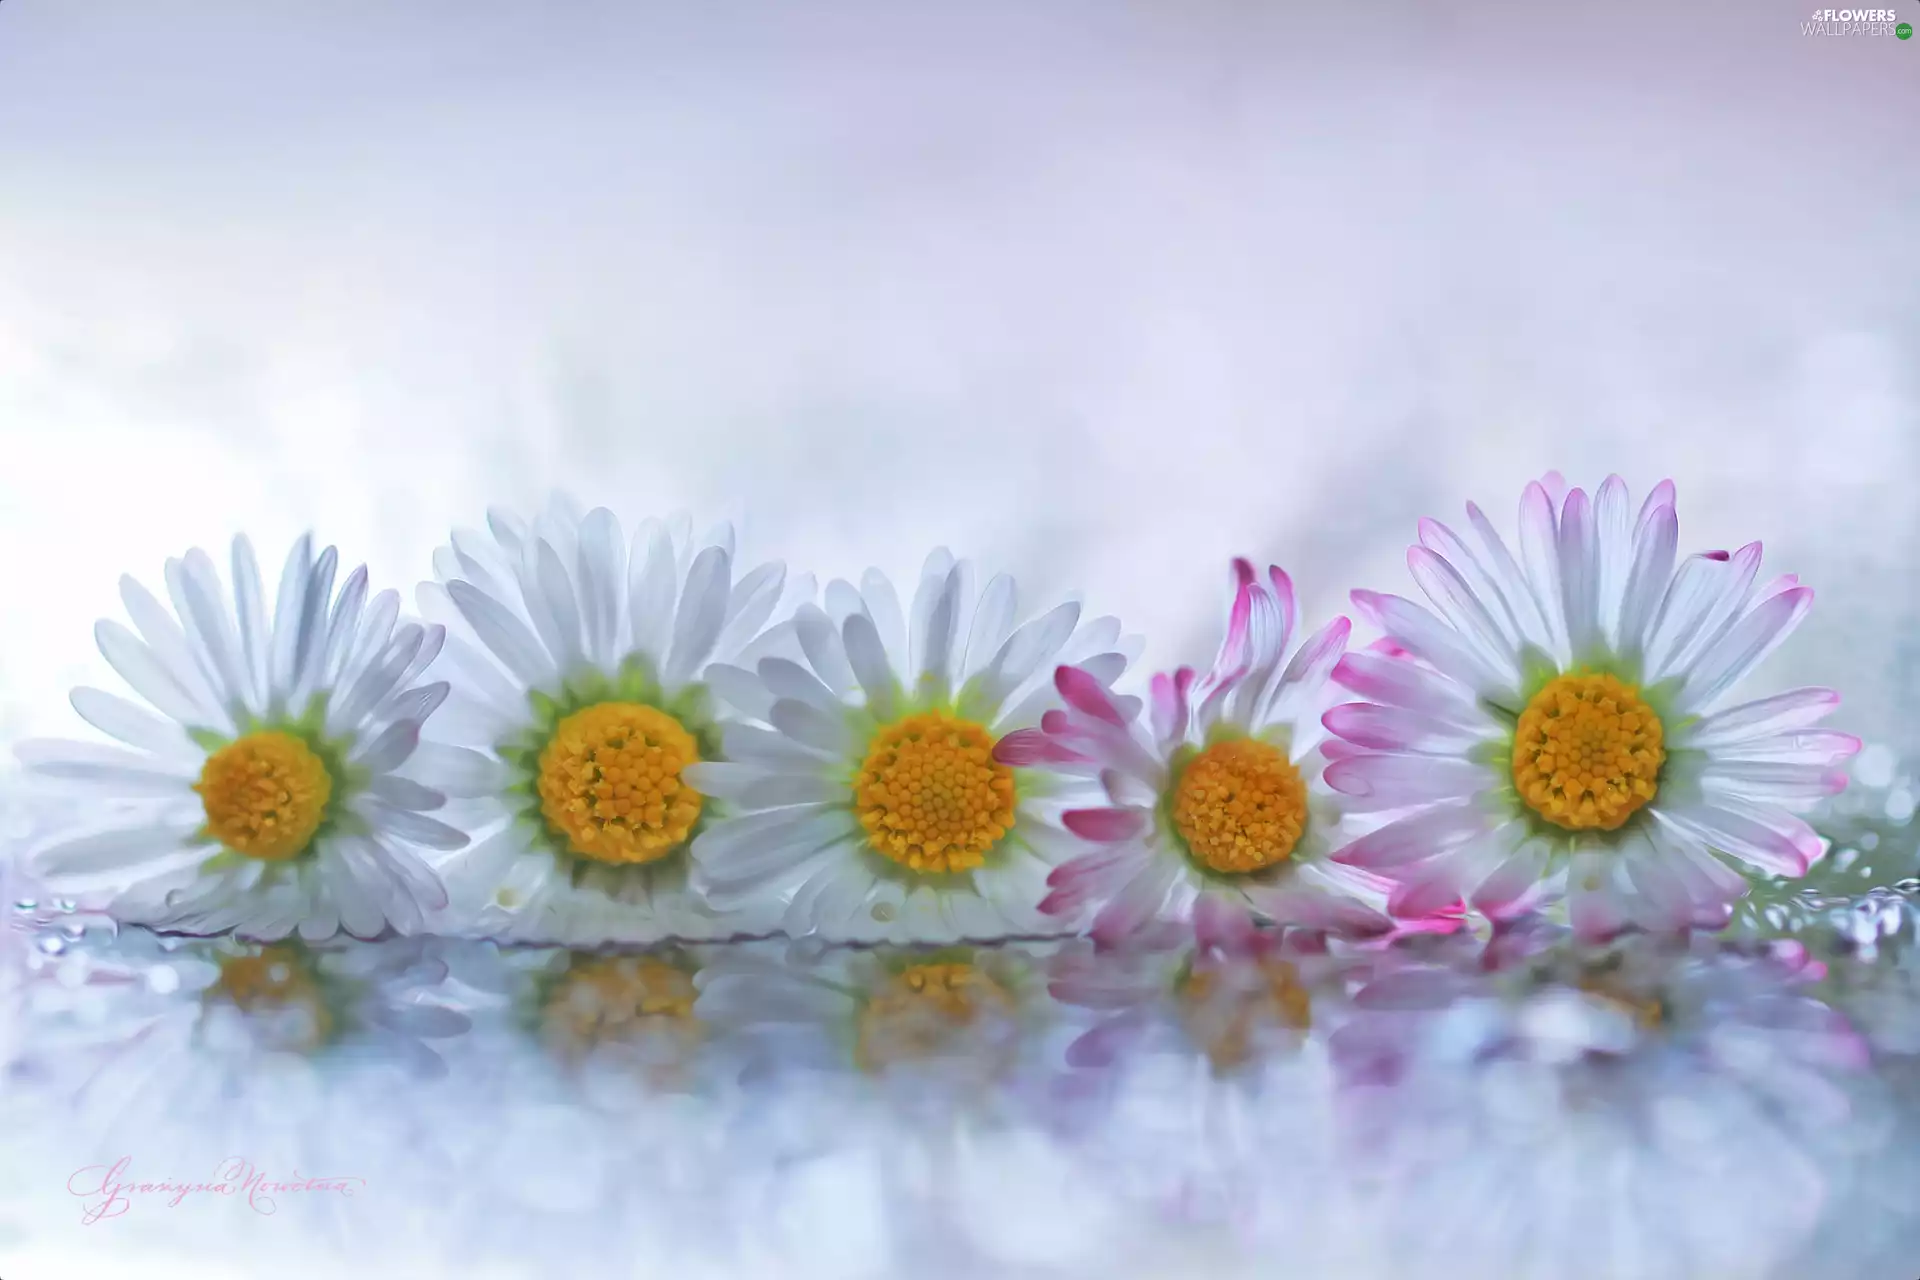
1101 292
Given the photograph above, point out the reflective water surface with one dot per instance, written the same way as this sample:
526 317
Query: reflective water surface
1511 1104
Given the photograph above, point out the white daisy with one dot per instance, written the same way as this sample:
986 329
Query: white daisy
1566 719
875 807
580 708
266 796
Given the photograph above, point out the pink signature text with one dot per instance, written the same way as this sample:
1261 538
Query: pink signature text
107 1191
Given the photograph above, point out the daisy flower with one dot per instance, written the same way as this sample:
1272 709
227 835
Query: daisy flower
1567 716
1213 806
267 795
581 709
875 806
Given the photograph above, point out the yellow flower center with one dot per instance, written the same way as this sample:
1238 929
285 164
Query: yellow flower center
1587 753
609 781
1221 1013
922 1010
931 795
265 795
276 988
1649 1012
1240 805
619 999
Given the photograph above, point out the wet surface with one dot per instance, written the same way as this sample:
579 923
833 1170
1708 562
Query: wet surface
1513 1104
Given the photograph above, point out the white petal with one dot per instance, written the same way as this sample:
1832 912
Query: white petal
820 641
754 599
868 657
505 635
389 749
883 607
131 724
154 680
601 564
199 601
458 771
250 613
652 585
992 623
702 613
100 852
109 767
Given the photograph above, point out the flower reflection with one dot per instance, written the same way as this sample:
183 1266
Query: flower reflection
1651 1107
1235 1009
963 1015
635 1010
1547 1083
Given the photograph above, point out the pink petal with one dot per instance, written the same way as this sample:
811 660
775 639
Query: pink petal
1397 682
1596 913
1784 846
1795 709
1135 906
1431 891
1391 781
1741 649
1169 700
1307 674
1414 838
1395 729
1034 746
1286 601
1511 883
1318 908
1105 826
1086 695
1080 880
1433 641
1104 1044
1219 923
1661 496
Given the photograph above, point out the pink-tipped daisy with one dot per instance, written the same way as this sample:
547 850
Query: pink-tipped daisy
1214 811
1564 721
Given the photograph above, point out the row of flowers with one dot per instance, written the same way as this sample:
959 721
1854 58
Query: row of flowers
586 738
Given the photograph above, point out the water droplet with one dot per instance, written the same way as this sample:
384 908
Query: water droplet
73 930
883 911
1870 841
1874 766
25 906
52 945
65 905
163 980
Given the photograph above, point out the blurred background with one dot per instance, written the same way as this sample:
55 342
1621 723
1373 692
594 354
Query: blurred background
1097 291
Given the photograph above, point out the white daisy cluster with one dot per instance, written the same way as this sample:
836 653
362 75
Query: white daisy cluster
594 737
